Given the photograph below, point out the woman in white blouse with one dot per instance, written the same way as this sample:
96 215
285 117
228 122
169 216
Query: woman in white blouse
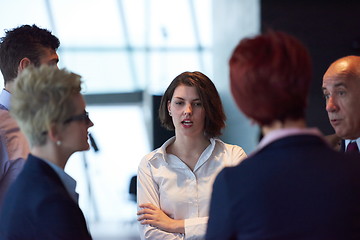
175 181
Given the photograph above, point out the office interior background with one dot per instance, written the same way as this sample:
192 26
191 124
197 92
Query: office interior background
128 51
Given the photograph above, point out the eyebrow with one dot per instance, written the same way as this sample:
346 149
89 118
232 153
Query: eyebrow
336 86
180 98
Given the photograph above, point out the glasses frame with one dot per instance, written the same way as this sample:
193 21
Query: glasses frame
81 117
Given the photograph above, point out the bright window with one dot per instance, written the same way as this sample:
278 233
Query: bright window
118 46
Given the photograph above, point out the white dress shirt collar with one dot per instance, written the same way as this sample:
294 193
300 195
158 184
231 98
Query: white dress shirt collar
204 156
348 141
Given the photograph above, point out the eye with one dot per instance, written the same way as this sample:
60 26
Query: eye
326 94
179 103
341 93
197 104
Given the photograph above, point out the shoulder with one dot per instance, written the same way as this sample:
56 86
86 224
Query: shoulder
46 200
233 154
151 161
227 146
8 125
156 157
6 120
37 183
12 138
235 149
40 174
150 157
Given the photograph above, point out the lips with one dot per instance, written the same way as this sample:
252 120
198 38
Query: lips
335 121
186 123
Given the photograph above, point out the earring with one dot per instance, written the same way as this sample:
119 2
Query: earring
169 113
58 142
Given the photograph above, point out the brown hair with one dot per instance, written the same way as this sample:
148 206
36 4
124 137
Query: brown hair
24 41
209 97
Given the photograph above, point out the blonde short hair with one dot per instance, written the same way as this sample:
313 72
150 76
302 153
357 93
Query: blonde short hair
41 97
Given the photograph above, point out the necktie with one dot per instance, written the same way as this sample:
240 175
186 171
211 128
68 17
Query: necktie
352 147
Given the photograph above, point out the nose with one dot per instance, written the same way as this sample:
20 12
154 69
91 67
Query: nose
90 123
188 109
331 105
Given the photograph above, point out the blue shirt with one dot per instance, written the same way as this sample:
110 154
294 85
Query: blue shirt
5 100
14 147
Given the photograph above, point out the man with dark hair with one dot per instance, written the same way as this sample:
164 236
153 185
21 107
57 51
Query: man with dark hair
20 47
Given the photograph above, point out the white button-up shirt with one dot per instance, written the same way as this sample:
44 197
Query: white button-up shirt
168 183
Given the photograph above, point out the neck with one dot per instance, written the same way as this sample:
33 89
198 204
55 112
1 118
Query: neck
188 149
51 153
9 86
188 144
184 146
288 123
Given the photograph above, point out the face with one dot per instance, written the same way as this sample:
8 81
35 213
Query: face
187 111
342 94
49 57
74 134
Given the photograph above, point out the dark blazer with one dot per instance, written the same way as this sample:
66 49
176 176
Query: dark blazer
38 206
293 188
342 146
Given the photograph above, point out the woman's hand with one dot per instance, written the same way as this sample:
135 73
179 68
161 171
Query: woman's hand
150 214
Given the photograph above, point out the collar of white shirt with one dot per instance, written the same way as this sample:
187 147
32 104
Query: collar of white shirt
161 152
347 141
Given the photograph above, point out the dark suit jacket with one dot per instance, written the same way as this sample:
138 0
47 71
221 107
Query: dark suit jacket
38 206
294 188
342 146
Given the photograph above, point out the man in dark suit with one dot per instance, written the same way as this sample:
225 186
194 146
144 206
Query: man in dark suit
294 186
341 88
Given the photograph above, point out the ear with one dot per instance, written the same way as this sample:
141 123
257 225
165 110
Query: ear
54 133
168 105
23 64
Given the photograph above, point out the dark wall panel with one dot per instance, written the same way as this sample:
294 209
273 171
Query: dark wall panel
161 134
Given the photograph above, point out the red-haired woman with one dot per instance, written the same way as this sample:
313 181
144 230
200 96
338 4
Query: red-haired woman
294 186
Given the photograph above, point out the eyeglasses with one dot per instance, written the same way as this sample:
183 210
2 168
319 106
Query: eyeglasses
81 117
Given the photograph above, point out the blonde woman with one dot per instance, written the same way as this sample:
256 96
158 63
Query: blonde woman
42 202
